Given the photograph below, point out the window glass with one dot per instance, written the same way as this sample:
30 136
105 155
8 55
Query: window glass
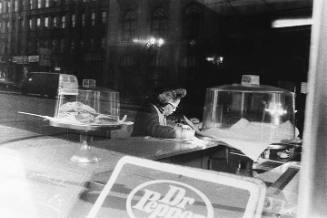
129 49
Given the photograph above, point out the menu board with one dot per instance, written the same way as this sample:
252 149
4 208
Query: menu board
140 188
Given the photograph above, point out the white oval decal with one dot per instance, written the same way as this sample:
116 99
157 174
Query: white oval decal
168 199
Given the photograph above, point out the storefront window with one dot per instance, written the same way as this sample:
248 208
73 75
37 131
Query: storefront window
122 52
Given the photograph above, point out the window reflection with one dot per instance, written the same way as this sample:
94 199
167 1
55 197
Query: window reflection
128 25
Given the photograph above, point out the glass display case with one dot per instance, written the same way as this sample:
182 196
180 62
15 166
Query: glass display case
86 110
250 112
78 108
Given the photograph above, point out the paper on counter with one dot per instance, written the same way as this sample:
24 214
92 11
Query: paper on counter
252 149
252 138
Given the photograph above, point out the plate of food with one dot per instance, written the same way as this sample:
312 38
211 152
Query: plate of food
76 115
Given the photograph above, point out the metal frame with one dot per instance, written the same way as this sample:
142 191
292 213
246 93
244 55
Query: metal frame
312 199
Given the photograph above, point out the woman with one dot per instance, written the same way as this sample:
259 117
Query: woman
152 120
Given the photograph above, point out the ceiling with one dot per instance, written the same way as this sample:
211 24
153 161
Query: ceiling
285 8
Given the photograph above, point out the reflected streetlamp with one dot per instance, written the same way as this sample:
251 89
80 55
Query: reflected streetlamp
152 46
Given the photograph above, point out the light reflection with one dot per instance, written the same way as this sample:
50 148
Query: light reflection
150 41
15 192
276 110
215 59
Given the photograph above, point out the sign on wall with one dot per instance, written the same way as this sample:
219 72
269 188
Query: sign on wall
45 57
33 58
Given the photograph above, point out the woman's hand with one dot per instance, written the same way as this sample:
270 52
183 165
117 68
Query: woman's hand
196 122
184 131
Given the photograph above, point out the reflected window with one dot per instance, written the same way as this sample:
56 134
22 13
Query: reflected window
39 3
46 22
82 44
128 25
38 22
103 43
73 20
22 24
104 17
30 46
31 23
55 22
193 16
55 2
16 5
46 43
9 6
31 4
37 44
4 7
0 7
159 22
62 45
93 18
83 19
127 61
92 44
72 46
55 45
47 3
63 22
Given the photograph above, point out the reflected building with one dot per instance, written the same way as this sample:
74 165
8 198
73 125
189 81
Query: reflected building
45 34
155 43
135 46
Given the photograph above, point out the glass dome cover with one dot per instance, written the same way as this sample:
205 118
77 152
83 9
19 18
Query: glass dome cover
250 112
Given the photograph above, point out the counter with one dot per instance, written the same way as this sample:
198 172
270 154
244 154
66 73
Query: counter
38 170
39 180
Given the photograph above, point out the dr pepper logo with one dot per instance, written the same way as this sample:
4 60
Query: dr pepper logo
168 199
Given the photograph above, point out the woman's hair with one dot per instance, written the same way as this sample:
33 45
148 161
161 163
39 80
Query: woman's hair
164 96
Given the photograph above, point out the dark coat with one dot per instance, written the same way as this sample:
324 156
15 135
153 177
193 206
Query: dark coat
146 123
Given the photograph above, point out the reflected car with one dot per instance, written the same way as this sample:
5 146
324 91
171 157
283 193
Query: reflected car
47 84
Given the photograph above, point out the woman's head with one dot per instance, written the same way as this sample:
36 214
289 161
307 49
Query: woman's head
169 99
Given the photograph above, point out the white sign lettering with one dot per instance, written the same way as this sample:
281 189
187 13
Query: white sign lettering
174 203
